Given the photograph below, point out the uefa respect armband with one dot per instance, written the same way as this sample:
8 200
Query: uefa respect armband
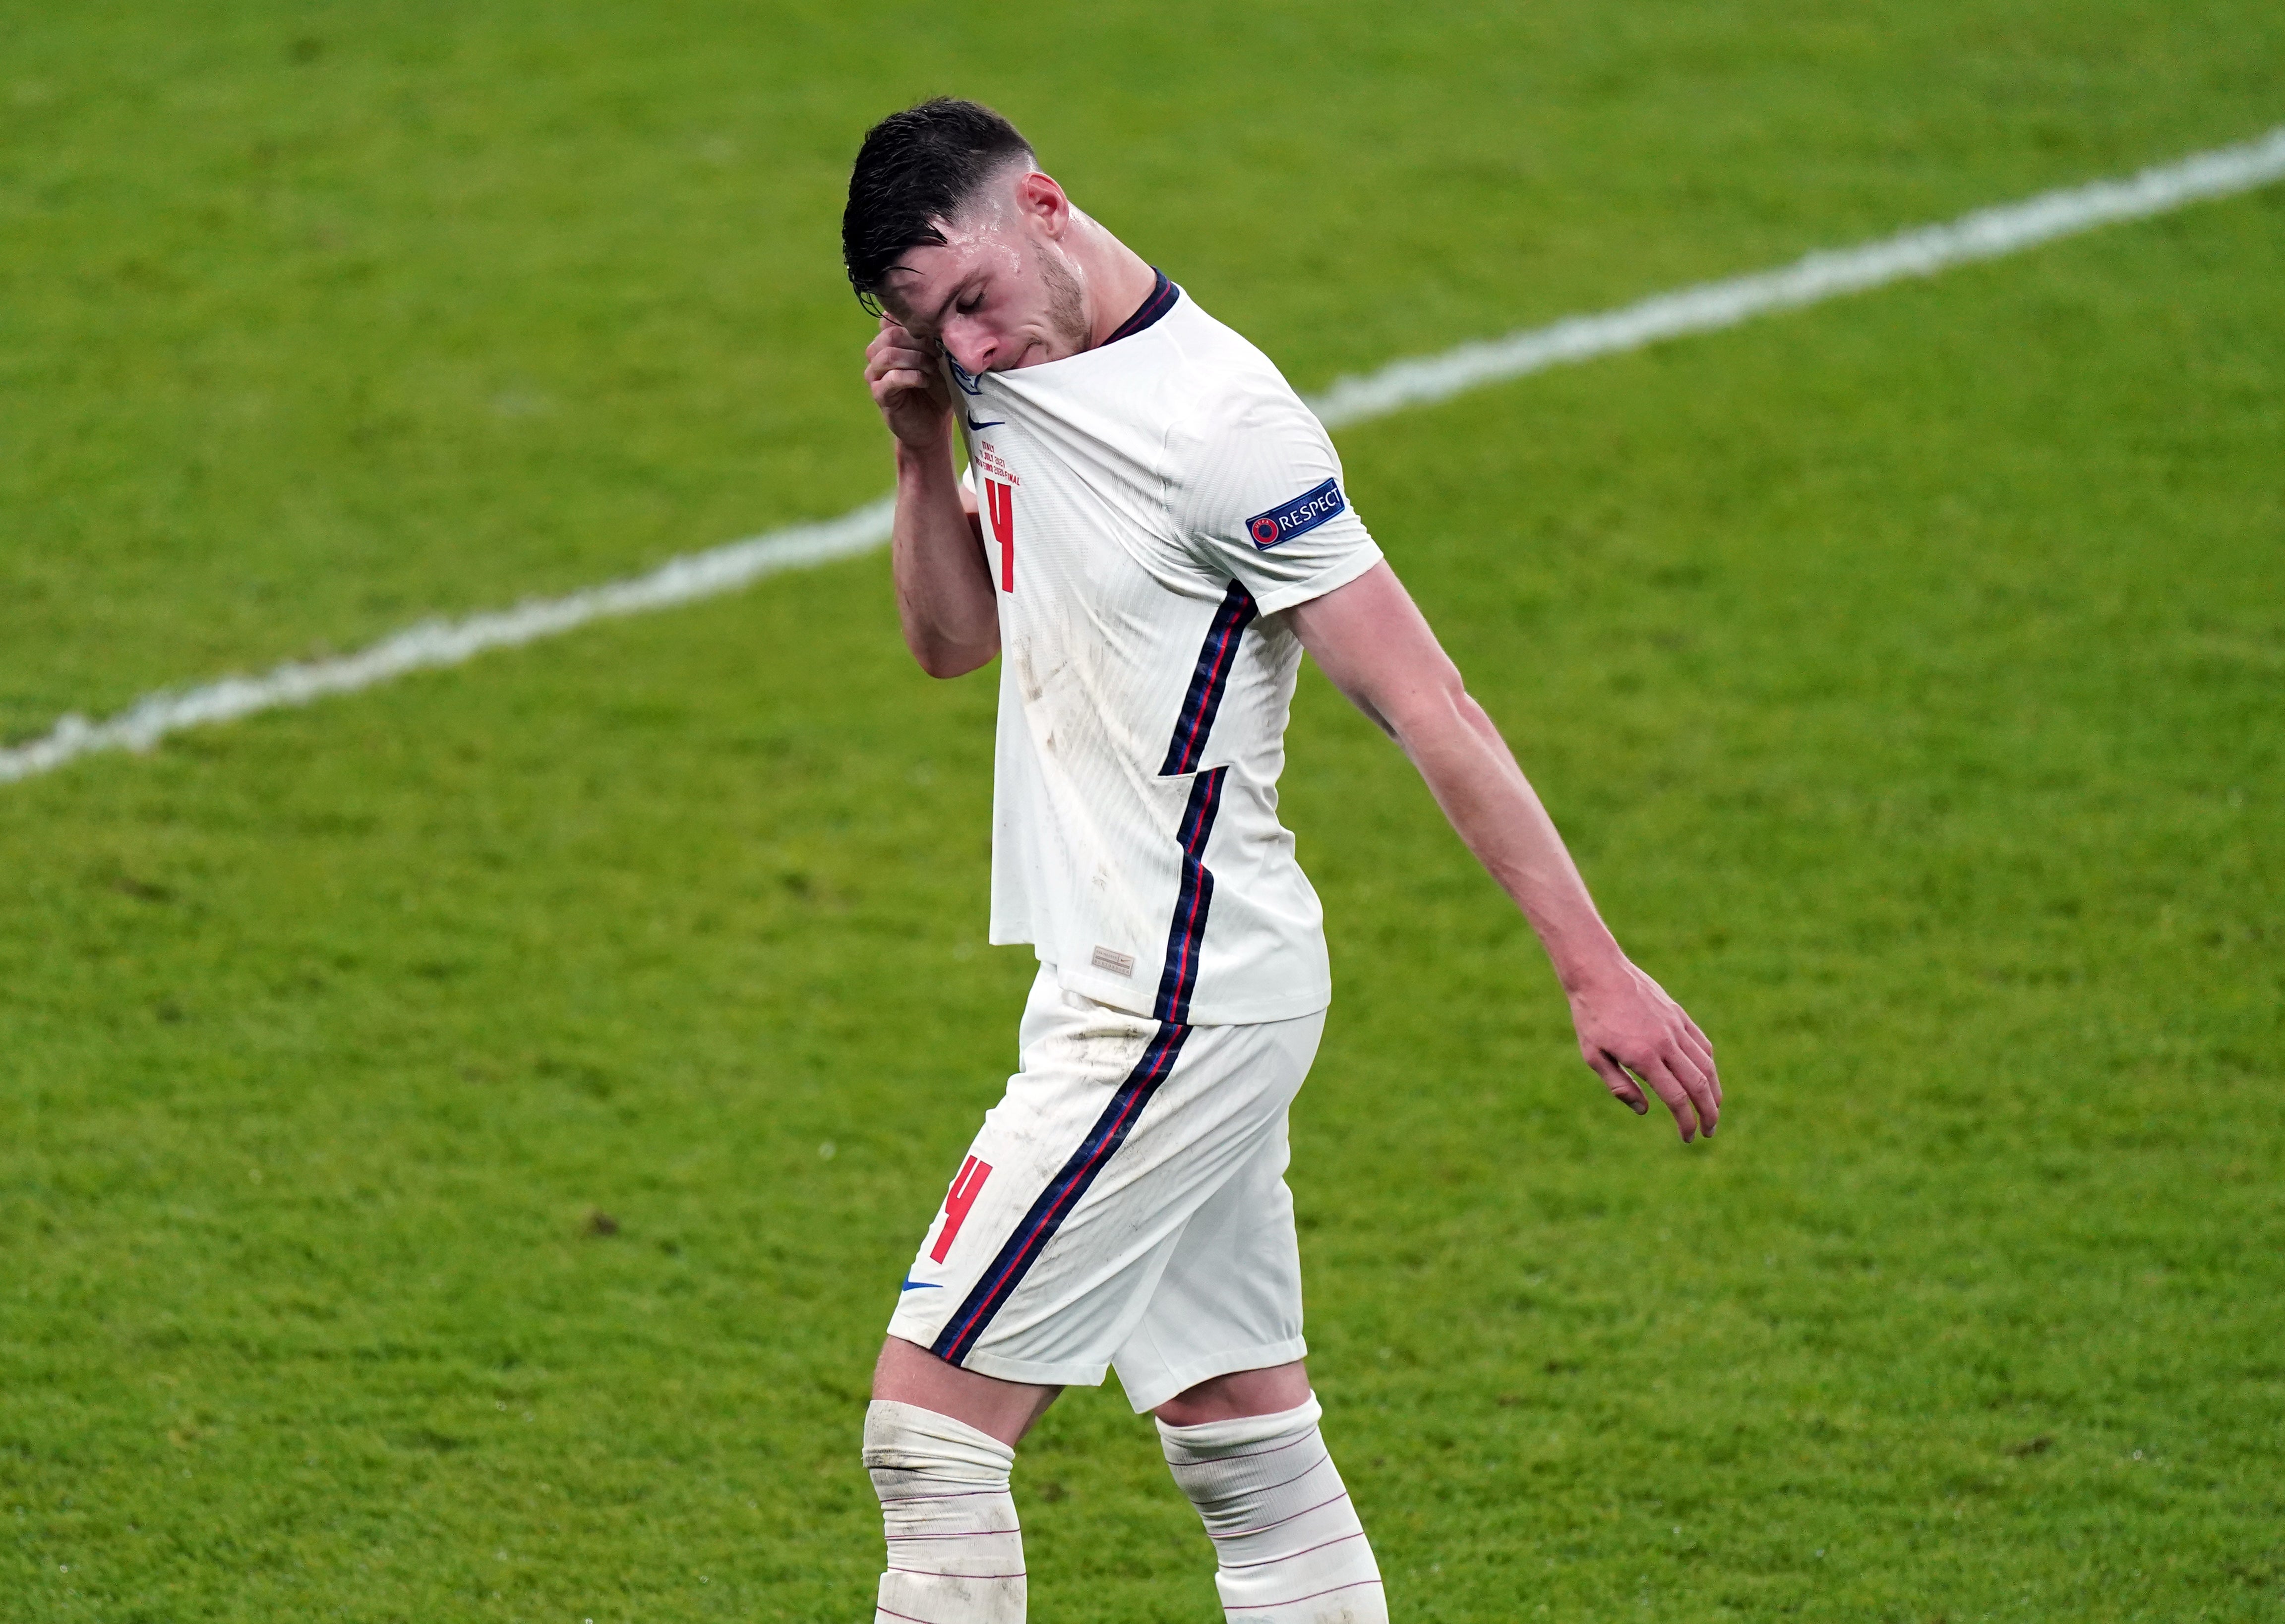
1305 512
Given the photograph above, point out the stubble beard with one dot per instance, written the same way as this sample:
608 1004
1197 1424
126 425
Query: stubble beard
1066 303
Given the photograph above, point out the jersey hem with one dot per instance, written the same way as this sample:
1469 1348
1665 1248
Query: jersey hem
1124 995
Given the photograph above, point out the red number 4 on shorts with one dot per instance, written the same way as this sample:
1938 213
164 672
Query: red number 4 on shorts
957 1200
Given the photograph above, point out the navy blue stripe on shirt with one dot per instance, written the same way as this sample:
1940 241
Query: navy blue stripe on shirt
1063 1193
1163 294
1186 935
1209 680
1030 1237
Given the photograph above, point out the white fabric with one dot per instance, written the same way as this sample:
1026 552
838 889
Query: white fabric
1178 1262
955 1552
1116 487
1288 1546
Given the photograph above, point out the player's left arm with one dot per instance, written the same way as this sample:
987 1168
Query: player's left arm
1371 639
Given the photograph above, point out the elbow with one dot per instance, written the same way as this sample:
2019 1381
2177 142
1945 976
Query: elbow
1430 709
943 662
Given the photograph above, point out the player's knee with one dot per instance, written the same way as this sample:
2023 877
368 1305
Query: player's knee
955 1548
1287 1540
904 1438
1269 1390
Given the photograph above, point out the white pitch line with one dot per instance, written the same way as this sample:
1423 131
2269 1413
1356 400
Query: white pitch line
1987 233
434 643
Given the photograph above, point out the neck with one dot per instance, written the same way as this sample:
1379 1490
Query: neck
1117 279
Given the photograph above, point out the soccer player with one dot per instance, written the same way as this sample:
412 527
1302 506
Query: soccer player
1152 529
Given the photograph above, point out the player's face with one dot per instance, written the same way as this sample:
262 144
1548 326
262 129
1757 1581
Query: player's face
1001 292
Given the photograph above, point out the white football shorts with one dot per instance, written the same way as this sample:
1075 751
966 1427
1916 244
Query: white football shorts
1123 1206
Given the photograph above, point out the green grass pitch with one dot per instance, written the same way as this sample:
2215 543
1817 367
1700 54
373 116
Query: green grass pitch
1906 673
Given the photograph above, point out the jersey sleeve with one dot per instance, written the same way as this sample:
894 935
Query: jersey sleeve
1260 499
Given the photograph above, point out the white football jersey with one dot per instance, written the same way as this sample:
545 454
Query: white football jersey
1151 508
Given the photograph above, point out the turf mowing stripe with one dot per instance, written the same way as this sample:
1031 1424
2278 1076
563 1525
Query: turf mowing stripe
1987 233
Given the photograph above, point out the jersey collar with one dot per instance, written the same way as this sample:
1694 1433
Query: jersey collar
1163 294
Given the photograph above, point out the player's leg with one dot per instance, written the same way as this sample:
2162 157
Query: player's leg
1289 1548
1238 1394
1051 1240
905 1374
939 1442
1217 1356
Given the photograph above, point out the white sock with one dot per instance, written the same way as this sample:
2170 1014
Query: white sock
955 1553
1287 1542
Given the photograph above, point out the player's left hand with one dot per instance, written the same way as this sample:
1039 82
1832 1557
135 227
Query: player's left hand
1634 1036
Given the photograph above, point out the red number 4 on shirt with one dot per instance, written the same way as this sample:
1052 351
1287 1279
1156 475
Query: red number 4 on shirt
999 502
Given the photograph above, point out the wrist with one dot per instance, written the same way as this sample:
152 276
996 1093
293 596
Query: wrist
930 456
1588 962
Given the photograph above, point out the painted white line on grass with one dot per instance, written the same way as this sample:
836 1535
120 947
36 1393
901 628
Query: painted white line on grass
1987 233
434 643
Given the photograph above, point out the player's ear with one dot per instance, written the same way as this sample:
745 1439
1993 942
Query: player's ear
1042 201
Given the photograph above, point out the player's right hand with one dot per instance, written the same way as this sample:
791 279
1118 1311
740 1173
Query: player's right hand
908 383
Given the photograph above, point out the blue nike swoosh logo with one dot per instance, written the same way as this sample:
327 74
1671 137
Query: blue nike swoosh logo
974 426
922 1285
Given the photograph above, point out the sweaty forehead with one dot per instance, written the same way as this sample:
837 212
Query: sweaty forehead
923 275
926 278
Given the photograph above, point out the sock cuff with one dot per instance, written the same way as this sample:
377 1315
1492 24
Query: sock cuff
1211 1439
905 1437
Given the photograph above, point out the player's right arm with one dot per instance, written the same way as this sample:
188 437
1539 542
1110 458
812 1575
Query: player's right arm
944 595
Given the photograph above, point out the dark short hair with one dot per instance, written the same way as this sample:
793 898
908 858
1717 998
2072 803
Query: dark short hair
914 168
